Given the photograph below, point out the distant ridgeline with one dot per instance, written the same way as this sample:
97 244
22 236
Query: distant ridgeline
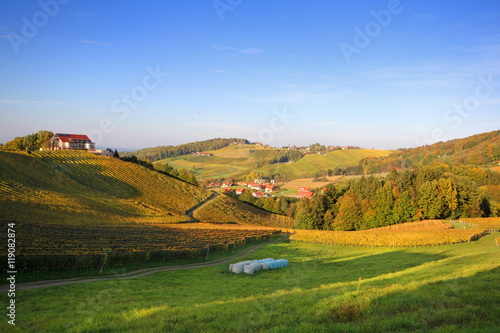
481 149
161 152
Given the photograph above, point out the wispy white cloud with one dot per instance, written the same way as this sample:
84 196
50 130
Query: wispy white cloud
14 101
248 50
223 48
5 36
293 97
251 50
95 43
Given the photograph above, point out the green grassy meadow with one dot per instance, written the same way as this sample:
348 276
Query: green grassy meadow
326 288
312 163
239 160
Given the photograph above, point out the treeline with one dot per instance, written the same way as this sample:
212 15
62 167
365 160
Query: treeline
181 174
280 205
481 149
164 168
162 152
279 156
29 142
433 192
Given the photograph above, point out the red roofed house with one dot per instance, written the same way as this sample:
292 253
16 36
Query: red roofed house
323 190
242 183
305 192
240 191
269 188
62 141
255 186
228 190
258 194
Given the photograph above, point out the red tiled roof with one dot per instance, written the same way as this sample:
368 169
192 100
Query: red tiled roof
66 137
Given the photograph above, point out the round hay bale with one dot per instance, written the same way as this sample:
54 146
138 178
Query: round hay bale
265 265
248 269
256 266
238 269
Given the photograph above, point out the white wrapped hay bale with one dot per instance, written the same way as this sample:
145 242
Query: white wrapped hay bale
248 269
238 269
252 266
256 266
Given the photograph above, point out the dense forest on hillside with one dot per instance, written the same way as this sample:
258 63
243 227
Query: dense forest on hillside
439 191
481 149
162 152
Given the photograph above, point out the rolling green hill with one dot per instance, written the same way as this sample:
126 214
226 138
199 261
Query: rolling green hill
238 160
312 163
233 160
162 152
73 187
480 150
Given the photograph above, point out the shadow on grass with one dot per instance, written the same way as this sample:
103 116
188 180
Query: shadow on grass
311 273
471 303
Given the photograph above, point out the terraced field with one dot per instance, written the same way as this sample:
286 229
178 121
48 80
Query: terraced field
80 187
49 247
225 209
422 233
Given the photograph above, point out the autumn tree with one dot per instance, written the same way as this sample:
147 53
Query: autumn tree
349 215
429 200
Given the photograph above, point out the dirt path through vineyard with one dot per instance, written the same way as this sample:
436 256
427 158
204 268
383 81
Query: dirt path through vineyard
144 272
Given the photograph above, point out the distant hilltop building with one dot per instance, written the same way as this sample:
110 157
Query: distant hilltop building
62 141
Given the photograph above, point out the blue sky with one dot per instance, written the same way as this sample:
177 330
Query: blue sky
378 74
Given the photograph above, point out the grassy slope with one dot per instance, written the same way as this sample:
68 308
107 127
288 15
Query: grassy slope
234 160
81 187
312 163
451 288
227 161
225 209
